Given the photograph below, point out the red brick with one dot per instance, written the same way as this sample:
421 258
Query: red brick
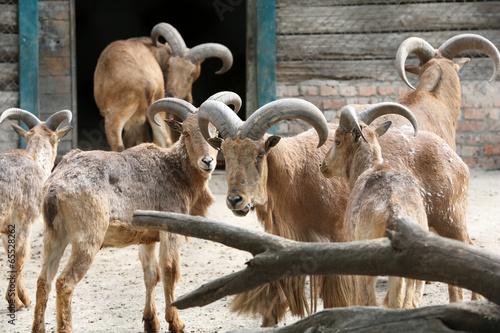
403 91
308 90
471 162
317 102
466 126
496 102
368 91
386 91
293 91
494 125
482 101
488 162
328 91
475 114
492 150
281 91
348 91
332 104
468 151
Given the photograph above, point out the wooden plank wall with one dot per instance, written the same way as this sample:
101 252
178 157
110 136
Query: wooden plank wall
57 79
358 39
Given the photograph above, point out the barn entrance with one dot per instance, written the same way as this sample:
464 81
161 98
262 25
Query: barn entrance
98 23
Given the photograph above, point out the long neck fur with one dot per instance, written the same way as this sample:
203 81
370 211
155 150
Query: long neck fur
367 156
43 153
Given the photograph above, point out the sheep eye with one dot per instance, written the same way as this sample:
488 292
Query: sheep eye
261 155
186 134
337 142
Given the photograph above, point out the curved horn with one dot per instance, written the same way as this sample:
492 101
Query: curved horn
221 116
228 98
175 106
374 111
171 35
19 114
349 120
57 118
453 46
209 50
413 45
289 108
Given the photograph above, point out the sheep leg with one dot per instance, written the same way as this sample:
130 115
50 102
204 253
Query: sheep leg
170 264
53 249
151 278
113 126
366 287
18 243
419 292
82 256
394 296
409 296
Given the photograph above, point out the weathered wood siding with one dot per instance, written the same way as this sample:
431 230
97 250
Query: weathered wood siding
345 40
57 77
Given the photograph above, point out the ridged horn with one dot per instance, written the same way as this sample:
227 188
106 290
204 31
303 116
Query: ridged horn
289 108
221 116
172 36
374 111
57 118
228 98
19 114
453 46
175 106
413 45
349 120
211 50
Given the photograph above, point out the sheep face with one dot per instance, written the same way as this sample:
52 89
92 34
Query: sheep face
246 171
201 154
179 78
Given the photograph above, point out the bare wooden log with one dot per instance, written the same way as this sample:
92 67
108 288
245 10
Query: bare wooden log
457 317
409 251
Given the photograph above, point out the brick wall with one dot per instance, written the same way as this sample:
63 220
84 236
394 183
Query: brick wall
478 130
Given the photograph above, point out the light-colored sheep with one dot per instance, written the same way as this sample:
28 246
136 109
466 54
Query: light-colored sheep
131 74
22 174
378 193
89 202
282 182
436 101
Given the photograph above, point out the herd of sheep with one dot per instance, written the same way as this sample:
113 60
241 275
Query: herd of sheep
340 181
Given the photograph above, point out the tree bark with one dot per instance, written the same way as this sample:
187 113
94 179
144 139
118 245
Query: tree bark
458 317
409 251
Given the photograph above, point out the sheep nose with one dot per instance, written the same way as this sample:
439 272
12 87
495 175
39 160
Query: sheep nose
207 161
233 201
169 94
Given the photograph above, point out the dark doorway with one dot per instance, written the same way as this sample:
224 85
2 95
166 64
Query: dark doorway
99 22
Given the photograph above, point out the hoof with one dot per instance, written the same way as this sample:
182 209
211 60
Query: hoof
151 324
176 326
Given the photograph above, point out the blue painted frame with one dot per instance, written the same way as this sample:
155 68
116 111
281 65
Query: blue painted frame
261 55
28 57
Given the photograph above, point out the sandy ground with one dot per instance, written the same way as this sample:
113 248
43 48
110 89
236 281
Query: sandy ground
110 298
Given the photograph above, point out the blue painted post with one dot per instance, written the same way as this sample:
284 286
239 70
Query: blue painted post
266 53
28 57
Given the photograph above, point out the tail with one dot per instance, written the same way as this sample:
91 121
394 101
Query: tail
50 208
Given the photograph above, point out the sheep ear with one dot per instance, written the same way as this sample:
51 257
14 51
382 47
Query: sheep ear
19 130
461 63
215 142
412 69
63 131
271 142
174 124
384 127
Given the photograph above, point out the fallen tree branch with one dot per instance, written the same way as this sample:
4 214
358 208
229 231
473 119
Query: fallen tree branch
409 251
457 317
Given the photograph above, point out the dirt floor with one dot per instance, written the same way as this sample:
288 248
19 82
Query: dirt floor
110 298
